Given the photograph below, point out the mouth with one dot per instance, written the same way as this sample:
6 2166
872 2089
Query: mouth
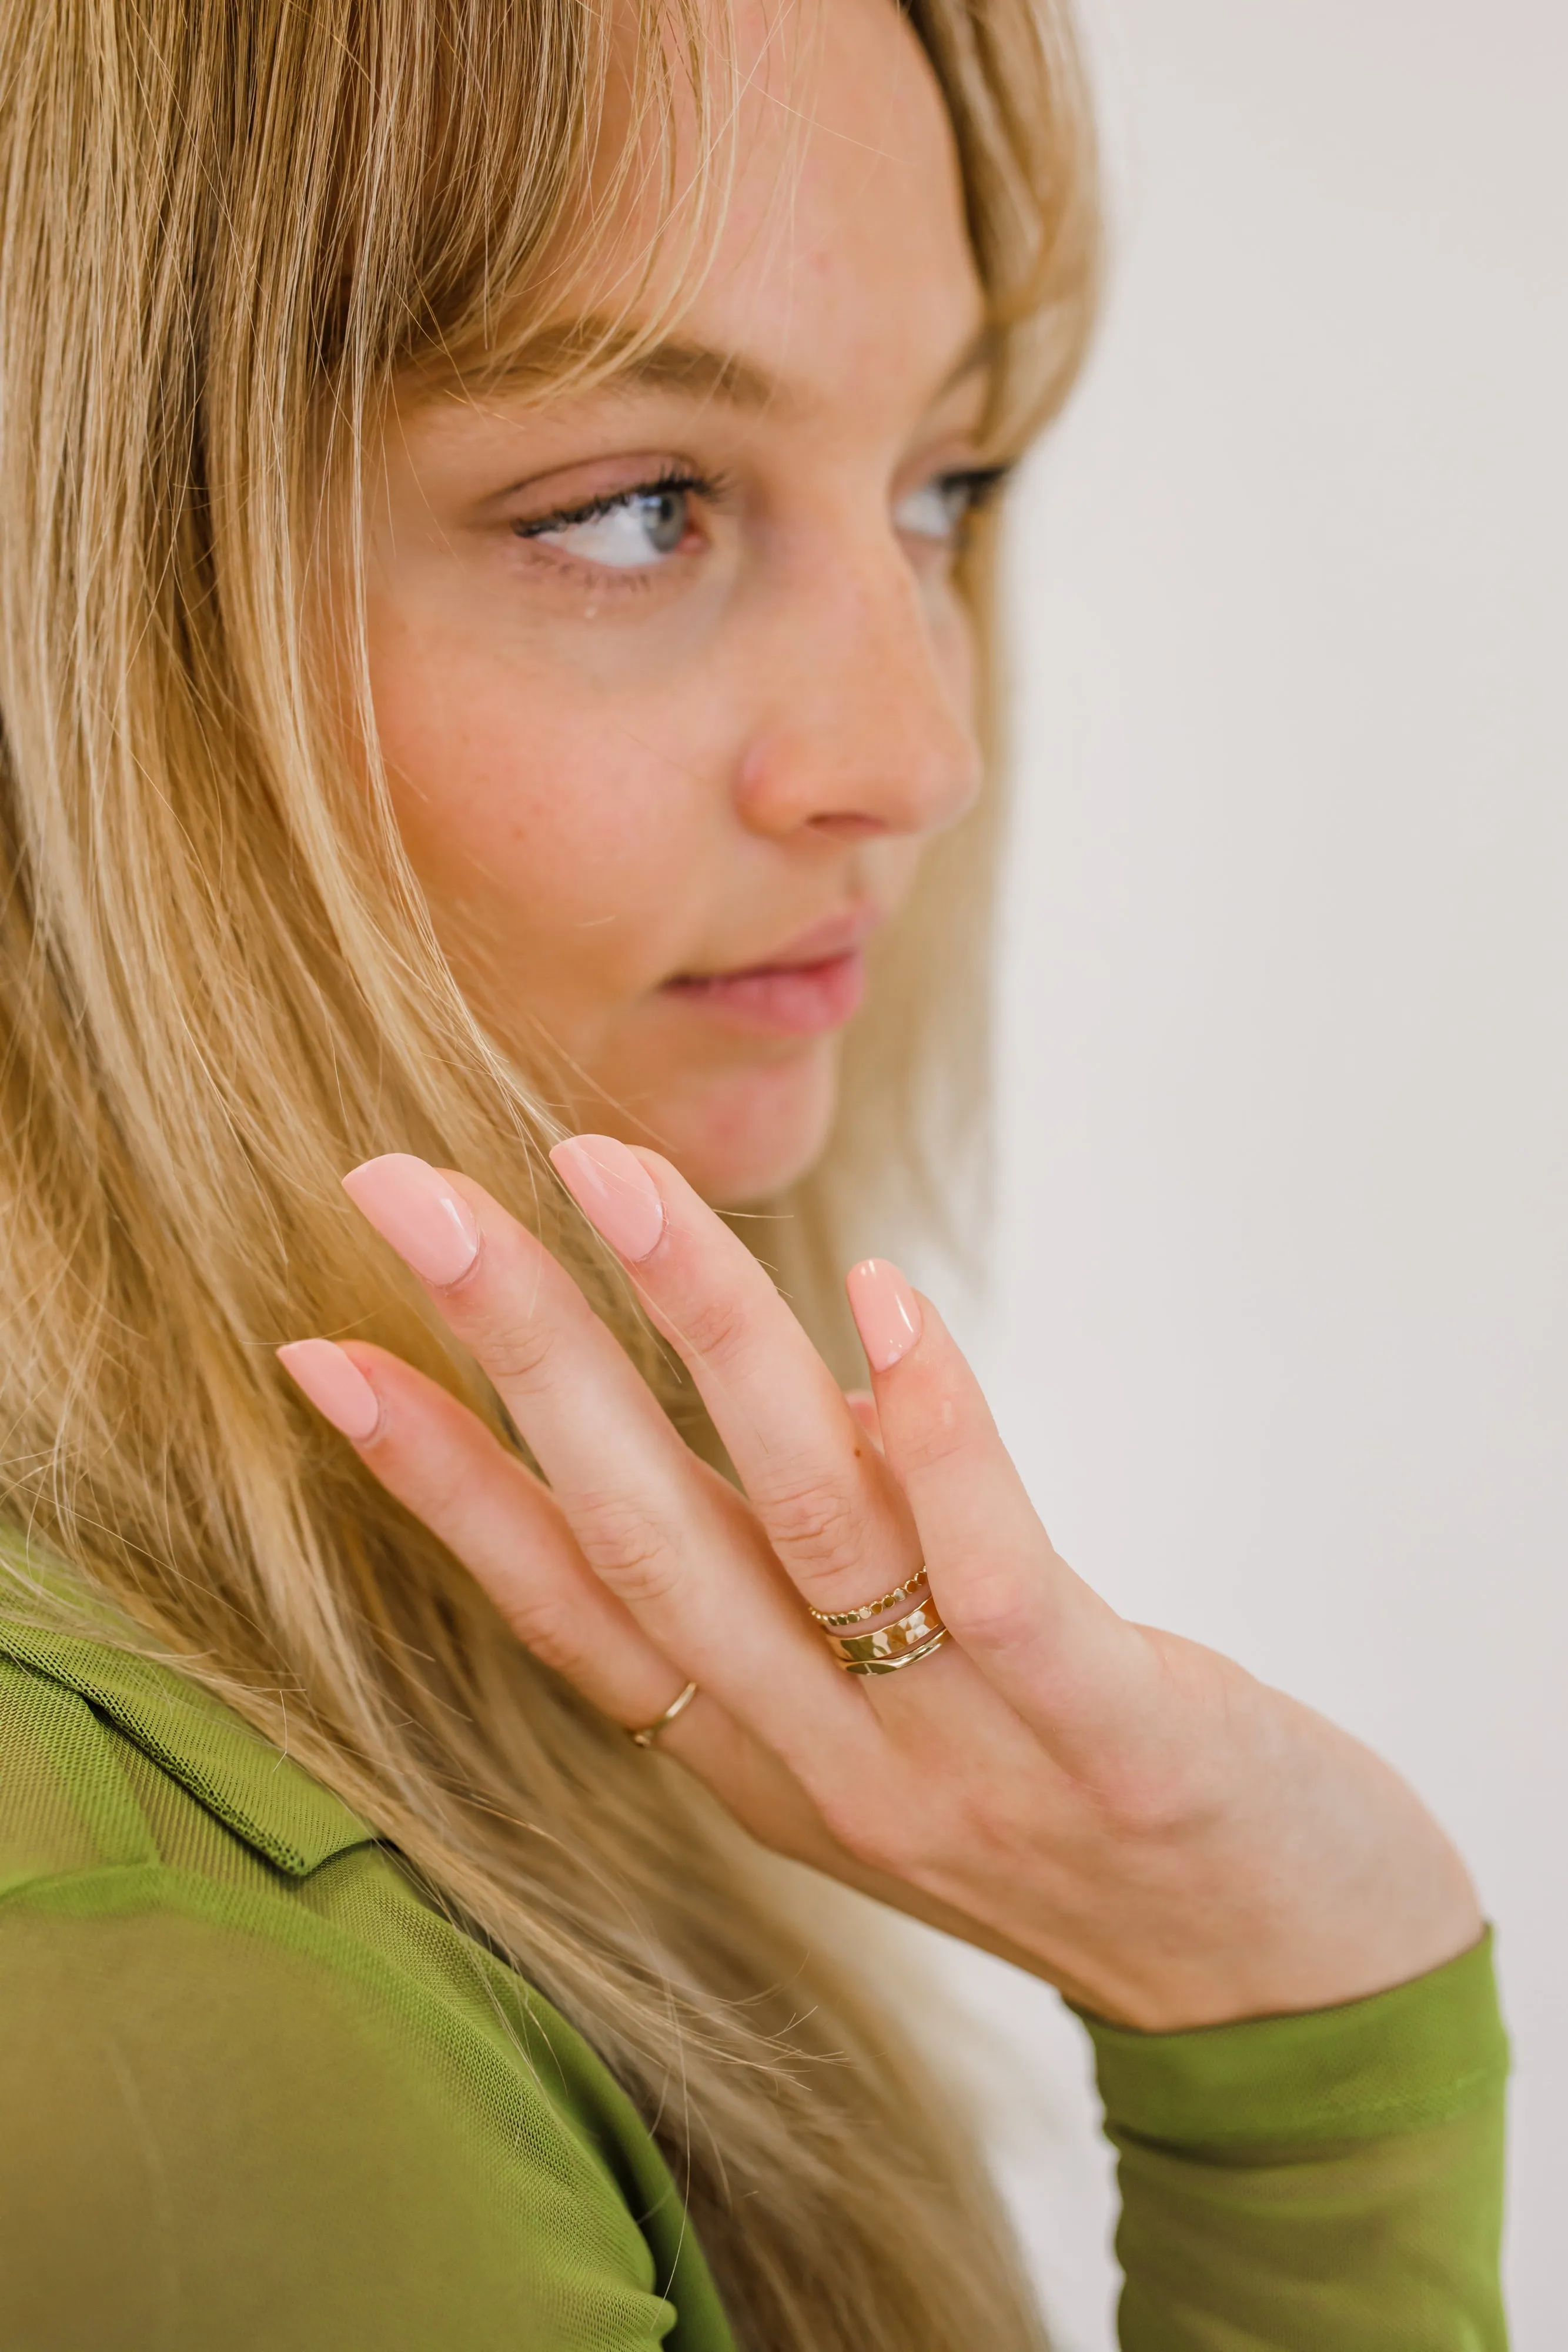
813 983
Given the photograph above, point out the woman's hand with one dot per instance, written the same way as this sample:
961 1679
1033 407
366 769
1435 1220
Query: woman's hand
1125 1812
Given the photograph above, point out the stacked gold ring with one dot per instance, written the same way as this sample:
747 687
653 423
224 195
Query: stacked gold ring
889 1648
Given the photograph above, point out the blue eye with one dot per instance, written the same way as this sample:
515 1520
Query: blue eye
939 509
628 532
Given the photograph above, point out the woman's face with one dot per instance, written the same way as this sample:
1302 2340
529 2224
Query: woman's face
672 679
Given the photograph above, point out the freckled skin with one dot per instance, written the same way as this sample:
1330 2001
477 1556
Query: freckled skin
610 777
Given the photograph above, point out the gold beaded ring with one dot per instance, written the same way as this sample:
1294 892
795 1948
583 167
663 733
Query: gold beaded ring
904 1591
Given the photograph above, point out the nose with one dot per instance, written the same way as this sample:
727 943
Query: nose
866 725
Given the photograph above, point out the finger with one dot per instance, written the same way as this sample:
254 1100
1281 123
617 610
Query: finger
824 1498
495 1518
446 1467
669 1537
440 1460
862 1404
1087 1681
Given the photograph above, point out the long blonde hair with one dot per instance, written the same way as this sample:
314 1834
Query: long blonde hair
229 226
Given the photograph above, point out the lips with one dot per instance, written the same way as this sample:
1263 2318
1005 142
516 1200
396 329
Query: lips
813 983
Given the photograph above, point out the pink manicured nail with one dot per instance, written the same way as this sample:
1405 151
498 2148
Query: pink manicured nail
418 1211
335 1386
886 1312
614 1191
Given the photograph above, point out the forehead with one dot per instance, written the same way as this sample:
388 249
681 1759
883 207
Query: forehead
846 214
838 260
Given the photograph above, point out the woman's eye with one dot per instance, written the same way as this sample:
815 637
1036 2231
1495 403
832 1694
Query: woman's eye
628 533
939 509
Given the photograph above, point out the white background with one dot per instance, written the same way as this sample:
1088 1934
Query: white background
1281 1322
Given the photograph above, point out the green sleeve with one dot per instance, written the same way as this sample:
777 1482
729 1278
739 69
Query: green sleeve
1330 2182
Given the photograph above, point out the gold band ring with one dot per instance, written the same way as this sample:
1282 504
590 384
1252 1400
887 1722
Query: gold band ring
649 1731
904 1591
892 1647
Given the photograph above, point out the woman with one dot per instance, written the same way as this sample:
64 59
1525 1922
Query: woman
495 550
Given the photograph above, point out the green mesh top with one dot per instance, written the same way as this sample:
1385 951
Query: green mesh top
256 2093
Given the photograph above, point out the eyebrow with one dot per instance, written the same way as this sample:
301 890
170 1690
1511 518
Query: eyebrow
613 359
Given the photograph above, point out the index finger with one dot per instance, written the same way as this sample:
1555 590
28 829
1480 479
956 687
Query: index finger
820 1487
672 1541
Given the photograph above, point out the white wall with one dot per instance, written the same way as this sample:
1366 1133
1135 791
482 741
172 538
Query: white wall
1282 1324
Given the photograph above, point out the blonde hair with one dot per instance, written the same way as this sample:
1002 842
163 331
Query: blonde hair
229 226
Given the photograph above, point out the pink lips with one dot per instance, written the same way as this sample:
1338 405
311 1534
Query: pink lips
814 983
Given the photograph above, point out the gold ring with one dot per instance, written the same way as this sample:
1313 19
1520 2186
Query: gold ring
902 1643
911 1585
649 1731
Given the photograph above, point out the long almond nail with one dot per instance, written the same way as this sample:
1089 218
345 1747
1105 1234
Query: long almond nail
614 1191
886 1312
415 1209
335 1386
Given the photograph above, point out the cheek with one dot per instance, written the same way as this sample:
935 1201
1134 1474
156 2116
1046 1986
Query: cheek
547 836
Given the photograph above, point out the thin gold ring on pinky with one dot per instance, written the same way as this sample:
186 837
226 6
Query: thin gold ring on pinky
892 1647
649 1732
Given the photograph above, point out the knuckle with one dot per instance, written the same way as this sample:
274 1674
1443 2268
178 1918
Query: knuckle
816 1522
546 1626
877 1835
715 1328
997 1614
625 1547
442 1494
513 1354
1147 1809
985 1822
937 1438
890 1837
432 1476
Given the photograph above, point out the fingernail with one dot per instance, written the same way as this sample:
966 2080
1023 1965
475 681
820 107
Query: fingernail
418 1212
335 1386
886 1312
614 1191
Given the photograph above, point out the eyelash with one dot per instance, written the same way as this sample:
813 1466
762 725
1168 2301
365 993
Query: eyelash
981 483
984 484
712 489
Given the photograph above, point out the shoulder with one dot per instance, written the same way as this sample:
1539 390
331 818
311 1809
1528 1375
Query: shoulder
255 2091
211 2139
63 1803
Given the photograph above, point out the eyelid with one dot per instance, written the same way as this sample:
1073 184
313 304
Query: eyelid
959 493
710 487
982 482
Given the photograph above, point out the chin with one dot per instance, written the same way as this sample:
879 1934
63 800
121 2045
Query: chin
742 1135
